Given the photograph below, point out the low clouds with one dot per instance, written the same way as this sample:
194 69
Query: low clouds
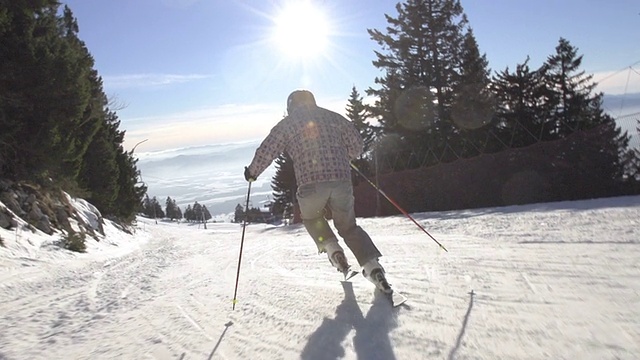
221 124
149 80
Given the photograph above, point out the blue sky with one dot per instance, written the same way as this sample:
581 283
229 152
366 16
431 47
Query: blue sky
195 72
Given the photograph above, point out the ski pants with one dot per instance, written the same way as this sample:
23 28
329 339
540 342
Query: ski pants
338 197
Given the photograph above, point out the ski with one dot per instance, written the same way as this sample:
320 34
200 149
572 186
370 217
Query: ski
396 298
350 274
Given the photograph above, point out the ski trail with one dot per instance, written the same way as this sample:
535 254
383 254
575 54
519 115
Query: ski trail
542 289
193 322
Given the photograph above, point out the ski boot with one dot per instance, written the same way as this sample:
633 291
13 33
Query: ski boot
373 271
337 258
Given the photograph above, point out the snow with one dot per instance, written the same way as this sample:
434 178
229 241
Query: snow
542 281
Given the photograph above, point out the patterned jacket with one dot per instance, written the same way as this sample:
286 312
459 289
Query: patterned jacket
321 143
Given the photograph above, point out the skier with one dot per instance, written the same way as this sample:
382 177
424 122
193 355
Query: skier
322 144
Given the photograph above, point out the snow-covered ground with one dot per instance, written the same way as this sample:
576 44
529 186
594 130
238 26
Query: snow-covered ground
545 281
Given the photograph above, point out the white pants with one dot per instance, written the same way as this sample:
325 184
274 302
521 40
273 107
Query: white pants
338 197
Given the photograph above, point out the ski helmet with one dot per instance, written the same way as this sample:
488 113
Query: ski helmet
300 97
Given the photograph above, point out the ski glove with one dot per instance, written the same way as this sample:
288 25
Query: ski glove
248 176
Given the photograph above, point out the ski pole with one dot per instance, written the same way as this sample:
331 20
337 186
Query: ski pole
397 206
244 227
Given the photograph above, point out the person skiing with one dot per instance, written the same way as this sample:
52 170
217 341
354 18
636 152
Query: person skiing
322 144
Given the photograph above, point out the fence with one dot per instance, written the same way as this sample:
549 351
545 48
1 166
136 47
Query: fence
385 159
569 168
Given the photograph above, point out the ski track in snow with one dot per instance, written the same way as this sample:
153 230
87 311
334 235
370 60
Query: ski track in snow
547 281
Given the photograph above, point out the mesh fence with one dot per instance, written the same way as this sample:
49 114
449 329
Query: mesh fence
631 124
482 142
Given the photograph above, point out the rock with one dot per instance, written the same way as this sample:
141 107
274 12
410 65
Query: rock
6 220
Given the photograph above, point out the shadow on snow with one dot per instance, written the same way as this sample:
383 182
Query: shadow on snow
371 340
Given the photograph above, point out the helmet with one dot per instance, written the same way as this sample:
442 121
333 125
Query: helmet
300 97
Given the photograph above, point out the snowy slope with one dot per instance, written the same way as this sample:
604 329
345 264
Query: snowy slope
549 281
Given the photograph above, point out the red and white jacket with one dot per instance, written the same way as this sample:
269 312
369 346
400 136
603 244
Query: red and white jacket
321 143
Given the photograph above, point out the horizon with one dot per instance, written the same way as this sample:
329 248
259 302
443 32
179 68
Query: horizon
212 174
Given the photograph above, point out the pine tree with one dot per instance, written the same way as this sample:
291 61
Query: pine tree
474 105
357 113
425 47
99 171
56 128
197 212
522 105
206 215
284 186
238 215
172 210
602 156
188 213
574 106
130 190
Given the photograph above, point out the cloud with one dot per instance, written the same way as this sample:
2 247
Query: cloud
149 80
221 124
619 82
212 125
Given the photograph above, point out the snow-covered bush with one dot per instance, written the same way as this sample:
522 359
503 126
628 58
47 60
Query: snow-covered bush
75 241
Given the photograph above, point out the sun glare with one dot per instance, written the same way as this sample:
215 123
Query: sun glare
301 30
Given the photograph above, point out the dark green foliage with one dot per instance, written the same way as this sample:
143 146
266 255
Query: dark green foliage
357 113
130 191
434 93
100 171
151 208
238 215
284 187
523 107
56 127
75 241
436 103
254 215
197 213
573 107
173 210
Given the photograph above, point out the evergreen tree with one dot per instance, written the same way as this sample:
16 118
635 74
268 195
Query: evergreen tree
188 213
522 105
197 212
574 106
172 209
357 113
425 48
152 208
49 80
473 106
633 164
56 128
238 215
178 213
99 173
130 191
206 215
284 186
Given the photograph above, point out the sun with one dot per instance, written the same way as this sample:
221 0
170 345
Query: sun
301 31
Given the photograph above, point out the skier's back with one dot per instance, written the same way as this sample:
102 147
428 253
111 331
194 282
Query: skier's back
322 144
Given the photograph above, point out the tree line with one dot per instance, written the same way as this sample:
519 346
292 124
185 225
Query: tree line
58 128
437 101
151 208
